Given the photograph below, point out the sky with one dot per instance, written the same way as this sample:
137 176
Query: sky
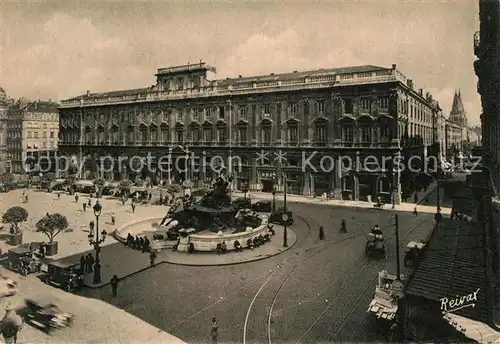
60 49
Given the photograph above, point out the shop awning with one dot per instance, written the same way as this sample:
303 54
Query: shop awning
453 264
475 330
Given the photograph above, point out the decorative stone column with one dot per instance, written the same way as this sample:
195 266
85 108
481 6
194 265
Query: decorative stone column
253 175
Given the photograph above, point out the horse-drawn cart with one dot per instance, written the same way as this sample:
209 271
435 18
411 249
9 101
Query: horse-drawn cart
375 246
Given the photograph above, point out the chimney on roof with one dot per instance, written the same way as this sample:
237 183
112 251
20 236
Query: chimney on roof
239 76
295 71
393 66
272 73
421 91
88 93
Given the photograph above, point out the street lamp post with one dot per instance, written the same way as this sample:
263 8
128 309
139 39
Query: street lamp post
230 162
169 169
274 197
285 214
96 242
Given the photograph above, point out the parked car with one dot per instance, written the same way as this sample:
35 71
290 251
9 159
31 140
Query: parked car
262 207
276 217
65 275
46 316
242 203
22 260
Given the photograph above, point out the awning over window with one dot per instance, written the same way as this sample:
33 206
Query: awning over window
475 330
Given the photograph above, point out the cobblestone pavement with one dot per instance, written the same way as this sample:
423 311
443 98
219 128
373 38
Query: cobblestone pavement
317 291
40 203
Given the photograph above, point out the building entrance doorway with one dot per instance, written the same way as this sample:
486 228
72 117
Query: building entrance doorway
267 185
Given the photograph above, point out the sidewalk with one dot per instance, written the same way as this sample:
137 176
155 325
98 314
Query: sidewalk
95 320
404 207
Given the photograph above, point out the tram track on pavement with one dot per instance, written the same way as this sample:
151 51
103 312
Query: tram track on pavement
288 275
369 285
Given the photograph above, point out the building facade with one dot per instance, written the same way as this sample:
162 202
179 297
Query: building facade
4 157
33 130
486 185
302 124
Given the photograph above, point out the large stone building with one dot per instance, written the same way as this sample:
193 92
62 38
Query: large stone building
312 117
486 185
4 157
33 130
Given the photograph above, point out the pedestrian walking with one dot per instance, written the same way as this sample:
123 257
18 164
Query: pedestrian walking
113 220
76 198
133 207
114 284
10 325
59 196
214 331
84 205
415 211
83 263
321 233
343 226
152 258
90 262
145 245
150 196
123 200
90 202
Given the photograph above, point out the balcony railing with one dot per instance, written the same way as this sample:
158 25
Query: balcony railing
212 91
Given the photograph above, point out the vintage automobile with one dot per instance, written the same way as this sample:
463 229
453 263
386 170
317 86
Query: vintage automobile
413 253
278 217
46 316
242 203
262 207
8 287
22 260
375 246
63 274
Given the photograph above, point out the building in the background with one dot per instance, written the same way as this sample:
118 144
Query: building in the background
475 134
33 130
453 138
4 157
353 111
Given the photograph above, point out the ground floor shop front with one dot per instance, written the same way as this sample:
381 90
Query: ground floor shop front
341 176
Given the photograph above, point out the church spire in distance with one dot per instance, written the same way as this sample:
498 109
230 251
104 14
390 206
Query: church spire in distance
457 113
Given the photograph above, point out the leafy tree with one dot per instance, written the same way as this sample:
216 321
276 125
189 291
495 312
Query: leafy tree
99 182
14 216
51 225
6 178
125 185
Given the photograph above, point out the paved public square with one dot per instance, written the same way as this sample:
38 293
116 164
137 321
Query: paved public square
316 291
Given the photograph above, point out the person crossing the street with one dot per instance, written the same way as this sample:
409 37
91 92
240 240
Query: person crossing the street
114 285
214 331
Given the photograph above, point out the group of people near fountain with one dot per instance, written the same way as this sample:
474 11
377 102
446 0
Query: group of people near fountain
251 243
138 243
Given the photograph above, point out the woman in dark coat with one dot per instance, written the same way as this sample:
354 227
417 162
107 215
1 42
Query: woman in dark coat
321 233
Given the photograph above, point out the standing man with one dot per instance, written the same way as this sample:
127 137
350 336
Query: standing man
214 332
114 284
152 258
343 226
10 325
321 233
76 198
84 206
133 206
90 262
